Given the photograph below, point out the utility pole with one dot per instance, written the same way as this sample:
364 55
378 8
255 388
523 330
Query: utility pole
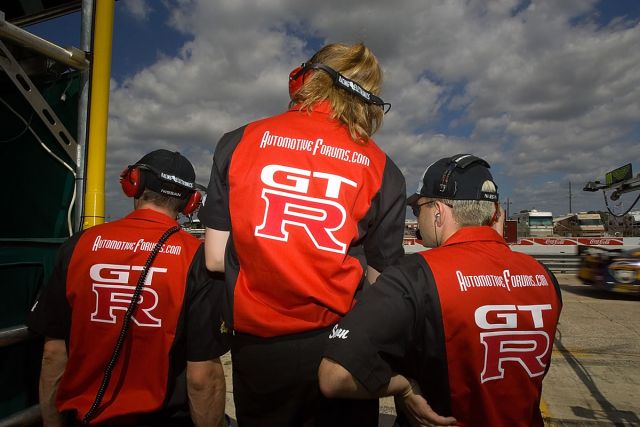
506 205
570 197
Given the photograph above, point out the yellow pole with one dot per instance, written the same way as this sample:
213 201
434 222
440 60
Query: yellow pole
98 112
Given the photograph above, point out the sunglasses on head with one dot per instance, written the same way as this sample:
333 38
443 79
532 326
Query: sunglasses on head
295 82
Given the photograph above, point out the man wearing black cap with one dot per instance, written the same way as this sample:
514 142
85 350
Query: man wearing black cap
471 321
129 314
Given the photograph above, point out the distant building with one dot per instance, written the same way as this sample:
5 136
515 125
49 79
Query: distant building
194 227
533 223
636 223
627 225
410 228
581 224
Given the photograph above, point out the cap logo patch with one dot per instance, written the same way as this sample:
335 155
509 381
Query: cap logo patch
175 179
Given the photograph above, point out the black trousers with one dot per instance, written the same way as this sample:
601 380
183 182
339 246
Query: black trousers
275 383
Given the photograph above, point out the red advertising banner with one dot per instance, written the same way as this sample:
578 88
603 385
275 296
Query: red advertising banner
595 241
561 241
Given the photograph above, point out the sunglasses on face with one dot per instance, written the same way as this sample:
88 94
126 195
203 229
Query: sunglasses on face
415 208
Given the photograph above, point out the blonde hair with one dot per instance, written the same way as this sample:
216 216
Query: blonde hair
355 62
473 212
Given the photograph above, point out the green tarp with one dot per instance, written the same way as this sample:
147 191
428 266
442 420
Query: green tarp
37 192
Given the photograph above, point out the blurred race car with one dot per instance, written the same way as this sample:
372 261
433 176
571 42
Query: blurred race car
610 269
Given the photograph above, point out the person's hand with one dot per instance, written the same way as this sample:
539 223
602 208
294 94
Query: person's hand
416 409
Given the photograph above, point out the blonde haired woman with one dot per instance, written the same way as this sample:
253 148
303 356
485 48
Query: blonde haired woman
303 211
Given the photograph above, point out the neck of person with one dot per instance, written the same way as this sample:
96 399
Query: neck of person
143 204
448 229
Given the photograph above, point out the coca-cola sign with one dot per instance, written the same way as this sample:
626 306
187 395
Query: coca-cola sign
601 241
560 241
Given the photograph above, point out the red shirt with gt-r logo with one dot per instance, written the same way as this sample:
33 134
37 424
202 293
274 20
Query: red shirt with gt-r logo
472 321
86 299
308 209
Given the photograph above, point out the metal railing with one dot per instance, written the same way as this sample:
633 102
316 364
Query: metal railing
560 263
26 417
13 335
73 57
31 415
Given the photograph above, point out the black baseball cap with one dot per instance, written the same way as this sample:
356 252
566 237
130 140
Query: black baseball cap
458 177
168 173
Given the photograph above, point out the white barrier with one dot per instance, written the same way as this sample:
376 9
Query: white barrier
557 245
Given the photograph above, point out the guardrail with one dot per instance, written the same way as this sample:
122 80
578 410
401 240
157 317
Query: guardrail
556 262
13 335
26 417
560 263
31 415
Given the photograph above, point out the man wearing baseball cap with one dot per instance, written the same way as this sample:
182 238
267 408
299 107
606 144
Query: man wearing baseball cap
131 316
467 326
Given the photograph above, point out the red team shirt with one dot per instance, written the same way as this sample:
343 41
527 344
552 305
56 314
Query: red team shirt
308 209
472 321
89 293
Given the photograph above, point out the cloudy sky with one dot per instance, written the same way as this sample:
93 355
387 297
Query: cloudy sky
547 91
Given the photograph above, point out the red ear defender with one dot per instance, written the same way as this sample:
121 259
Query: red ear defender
296 79
192 203
130 181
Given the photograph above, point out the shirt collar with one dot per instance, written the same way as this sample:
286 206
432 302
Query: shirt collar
152 215
474 234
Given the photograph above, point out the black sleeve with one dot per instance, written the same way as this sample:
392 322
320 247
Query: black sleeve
383 243
203 318
50 316
554 279
214 213
381 326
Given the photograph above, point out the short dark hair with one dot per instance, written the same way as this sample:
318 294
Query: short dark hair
174 204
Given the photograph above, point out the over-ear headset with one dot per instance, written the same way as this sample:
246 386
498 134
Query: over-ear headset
296 80
193 202
133 184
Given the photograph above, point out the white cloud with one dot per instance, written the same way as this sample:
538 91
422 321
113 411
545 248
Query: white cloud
140 9
543 97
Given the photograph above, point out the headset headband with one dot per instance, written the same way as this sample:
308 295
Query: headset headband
344 83
462 161
165 176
